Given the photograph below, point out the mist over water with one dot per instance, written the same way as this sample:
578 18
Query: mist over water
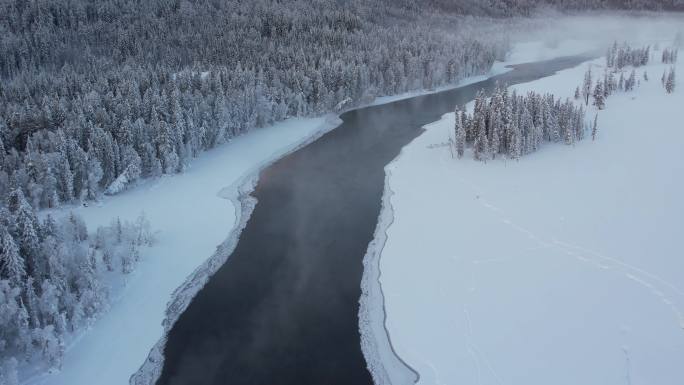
598 30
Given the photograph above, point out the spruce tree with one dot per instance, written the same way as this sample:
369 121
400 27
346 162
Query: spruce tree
599 96
586 86
460 134
621 82
12 265
670 81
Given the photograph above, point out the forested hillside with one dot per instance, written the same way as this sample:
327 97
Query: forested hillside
100 92
114 91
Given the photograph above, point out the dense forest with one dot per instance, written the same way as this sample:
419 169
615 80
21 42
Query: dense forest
97 95
511 125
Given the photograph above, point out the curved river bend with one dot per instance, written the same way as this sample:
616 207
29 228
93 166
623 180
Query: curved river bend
283 310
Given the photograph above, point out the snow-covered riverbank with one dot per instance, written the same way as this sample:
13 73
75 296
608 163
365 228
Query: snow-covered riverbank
563 268
192 213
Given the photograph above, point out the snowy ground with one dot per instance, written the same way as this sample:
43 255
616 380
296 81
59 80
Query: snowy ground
192 213
563 268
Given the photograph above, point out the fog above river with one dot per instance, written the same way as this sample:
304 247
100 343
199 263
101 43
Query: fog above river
600 30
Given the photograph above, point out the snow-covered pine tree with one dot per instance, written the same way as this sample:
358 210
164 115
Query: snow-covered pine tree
481 143
670 81
515 141
494 142
599 96
631 81
669 56
594 128
12 265
460 133
586 86
621 82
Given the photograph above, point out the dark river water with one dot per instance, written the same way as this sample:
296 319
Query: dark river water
283 310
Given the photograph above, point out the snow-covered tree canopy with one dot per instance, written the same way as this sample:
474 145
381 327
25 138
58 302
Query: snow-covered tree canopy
513 125
54 279
94 97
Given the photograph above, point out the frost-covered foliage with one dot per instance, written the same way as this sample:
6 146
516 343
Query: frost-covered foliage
95 96
670 55
622 56
512 125
54 279
615 79
669 80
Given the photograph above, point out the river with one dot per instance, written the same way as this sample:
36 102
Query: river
283 310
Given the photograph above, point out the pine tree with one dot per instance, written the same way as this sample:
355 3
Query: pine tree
670 82
594 127
515 149
29 241
94 176
586 86
631 81
460 138
2 147
12 266
599 96
621 82
481 143
495 141
577 93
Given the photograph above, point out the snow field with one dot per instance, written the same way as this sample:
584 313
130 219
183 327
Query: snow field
563 268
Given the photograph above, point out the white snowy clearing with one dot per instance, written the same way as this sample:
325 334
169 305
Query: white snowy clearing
191 213
563 268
